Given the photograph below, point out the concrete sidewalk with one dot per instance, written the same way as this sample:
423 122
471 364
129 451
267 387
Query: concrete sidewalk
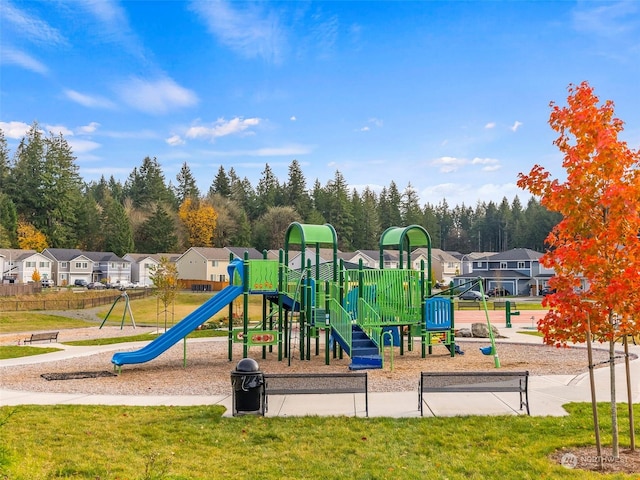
547 394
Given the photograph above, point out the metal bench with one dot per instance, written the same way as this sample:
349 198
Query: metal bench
315 383
41 337
503 304
456 382
469 305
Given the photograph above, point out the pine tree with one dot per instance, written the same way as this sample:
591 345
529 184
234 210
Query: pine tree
221 185
118 237
158 233
295 191
187 186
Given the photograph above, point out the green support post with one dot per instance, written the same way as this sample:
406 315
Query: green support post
509 313
245 307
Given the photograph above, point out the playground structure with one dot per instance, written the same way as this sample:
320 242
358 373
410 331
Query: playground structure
359 312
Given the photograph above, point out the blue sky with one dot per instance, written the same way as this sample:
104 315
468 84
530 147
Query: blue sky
450 97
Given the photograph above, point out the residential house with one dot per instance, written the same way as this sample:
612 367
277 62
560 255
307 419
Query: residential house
143 265
71 264
208 263
19 266
371 258
517 270
444 266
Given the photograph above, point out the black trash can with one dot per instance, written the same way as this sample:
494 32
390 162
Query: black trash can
247 382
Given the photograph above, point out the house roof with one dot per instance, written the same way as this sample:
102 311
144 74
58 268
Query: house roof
239 252
68 254
17 254
441 255
495 274
387 255
516 254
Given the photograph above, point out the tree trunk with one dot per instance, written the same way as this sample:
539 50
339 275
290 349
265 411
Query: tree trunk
632 433
594 403
614 407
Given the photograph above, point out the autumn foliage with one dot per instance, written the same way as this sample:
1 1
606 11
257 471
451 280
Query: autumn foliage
30 238
596 245
199 218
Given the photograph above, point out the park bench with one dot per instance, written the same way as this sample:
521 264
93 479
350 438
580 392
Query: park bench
316 383
41 337
469 305
503 304
472 382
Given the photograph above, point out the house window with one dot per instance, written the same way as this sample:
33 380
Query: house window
29 264
82 265
521 265
64 264
503 265
113 265
44 264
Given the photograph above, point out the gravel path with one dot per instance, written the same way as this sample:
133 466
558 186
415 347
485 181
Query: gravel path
208 370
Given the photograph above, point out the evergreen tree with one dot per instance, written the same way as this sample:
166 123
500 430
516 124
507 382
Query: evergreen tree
267 190
62 192
221 185
8 222
295 191
339 212
89 222
4 162
369 222
445 224
158 233
118 237
24 185
410 207
187 186
146 186
116 189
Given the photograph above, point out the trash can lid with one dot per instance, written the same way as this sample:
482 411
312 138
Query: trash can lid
247 365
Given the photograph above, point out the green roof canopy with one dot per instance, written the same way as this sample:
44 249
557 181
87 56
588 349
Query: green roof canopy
306 235
405 238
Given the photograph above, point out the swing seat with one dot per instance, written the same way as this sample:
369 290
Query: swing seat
486 350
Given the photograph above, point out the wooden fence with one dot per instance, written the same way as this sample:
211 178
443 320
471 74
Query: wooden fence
78 303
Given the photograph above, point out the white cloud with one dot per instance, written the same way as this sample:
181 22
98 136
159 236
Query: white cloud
490 125
59 129
29 26
608 20
158 96
247 28
87 129
14 130
80 146
489 164
449 164
516 126
293 118
365 129
11 56
88 100
175 140
222 128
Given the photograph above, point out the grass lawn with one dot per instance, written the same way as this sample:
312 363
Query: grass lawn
12 351
11 322
147 311
179 443
144 337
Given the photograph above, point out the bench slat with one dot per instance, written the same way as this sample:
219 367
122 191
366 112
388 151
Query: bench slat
39 337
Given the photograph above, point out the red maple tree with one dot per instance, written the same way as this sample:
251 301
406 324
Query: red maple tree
595 249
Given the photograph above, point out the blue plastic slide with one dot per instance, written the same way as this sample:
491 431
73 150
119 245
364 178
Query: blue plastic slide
185 326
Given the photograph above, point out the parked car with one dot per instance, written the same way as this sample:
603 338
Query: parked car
46 283
547 291
471 295
498 292
80 282
96 286
123 285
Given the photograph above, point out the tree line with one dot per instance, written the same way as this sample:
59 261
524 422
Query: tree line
45 203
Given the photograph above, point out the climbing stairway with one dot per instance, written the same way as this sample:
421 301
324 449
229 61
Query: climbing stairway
364 352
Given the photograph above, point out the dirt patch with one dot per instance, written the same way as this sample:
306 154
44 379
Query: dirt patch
586 458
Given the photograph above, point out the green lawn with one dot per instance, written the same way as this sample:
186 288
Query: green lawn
180 443
11 322
14 351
